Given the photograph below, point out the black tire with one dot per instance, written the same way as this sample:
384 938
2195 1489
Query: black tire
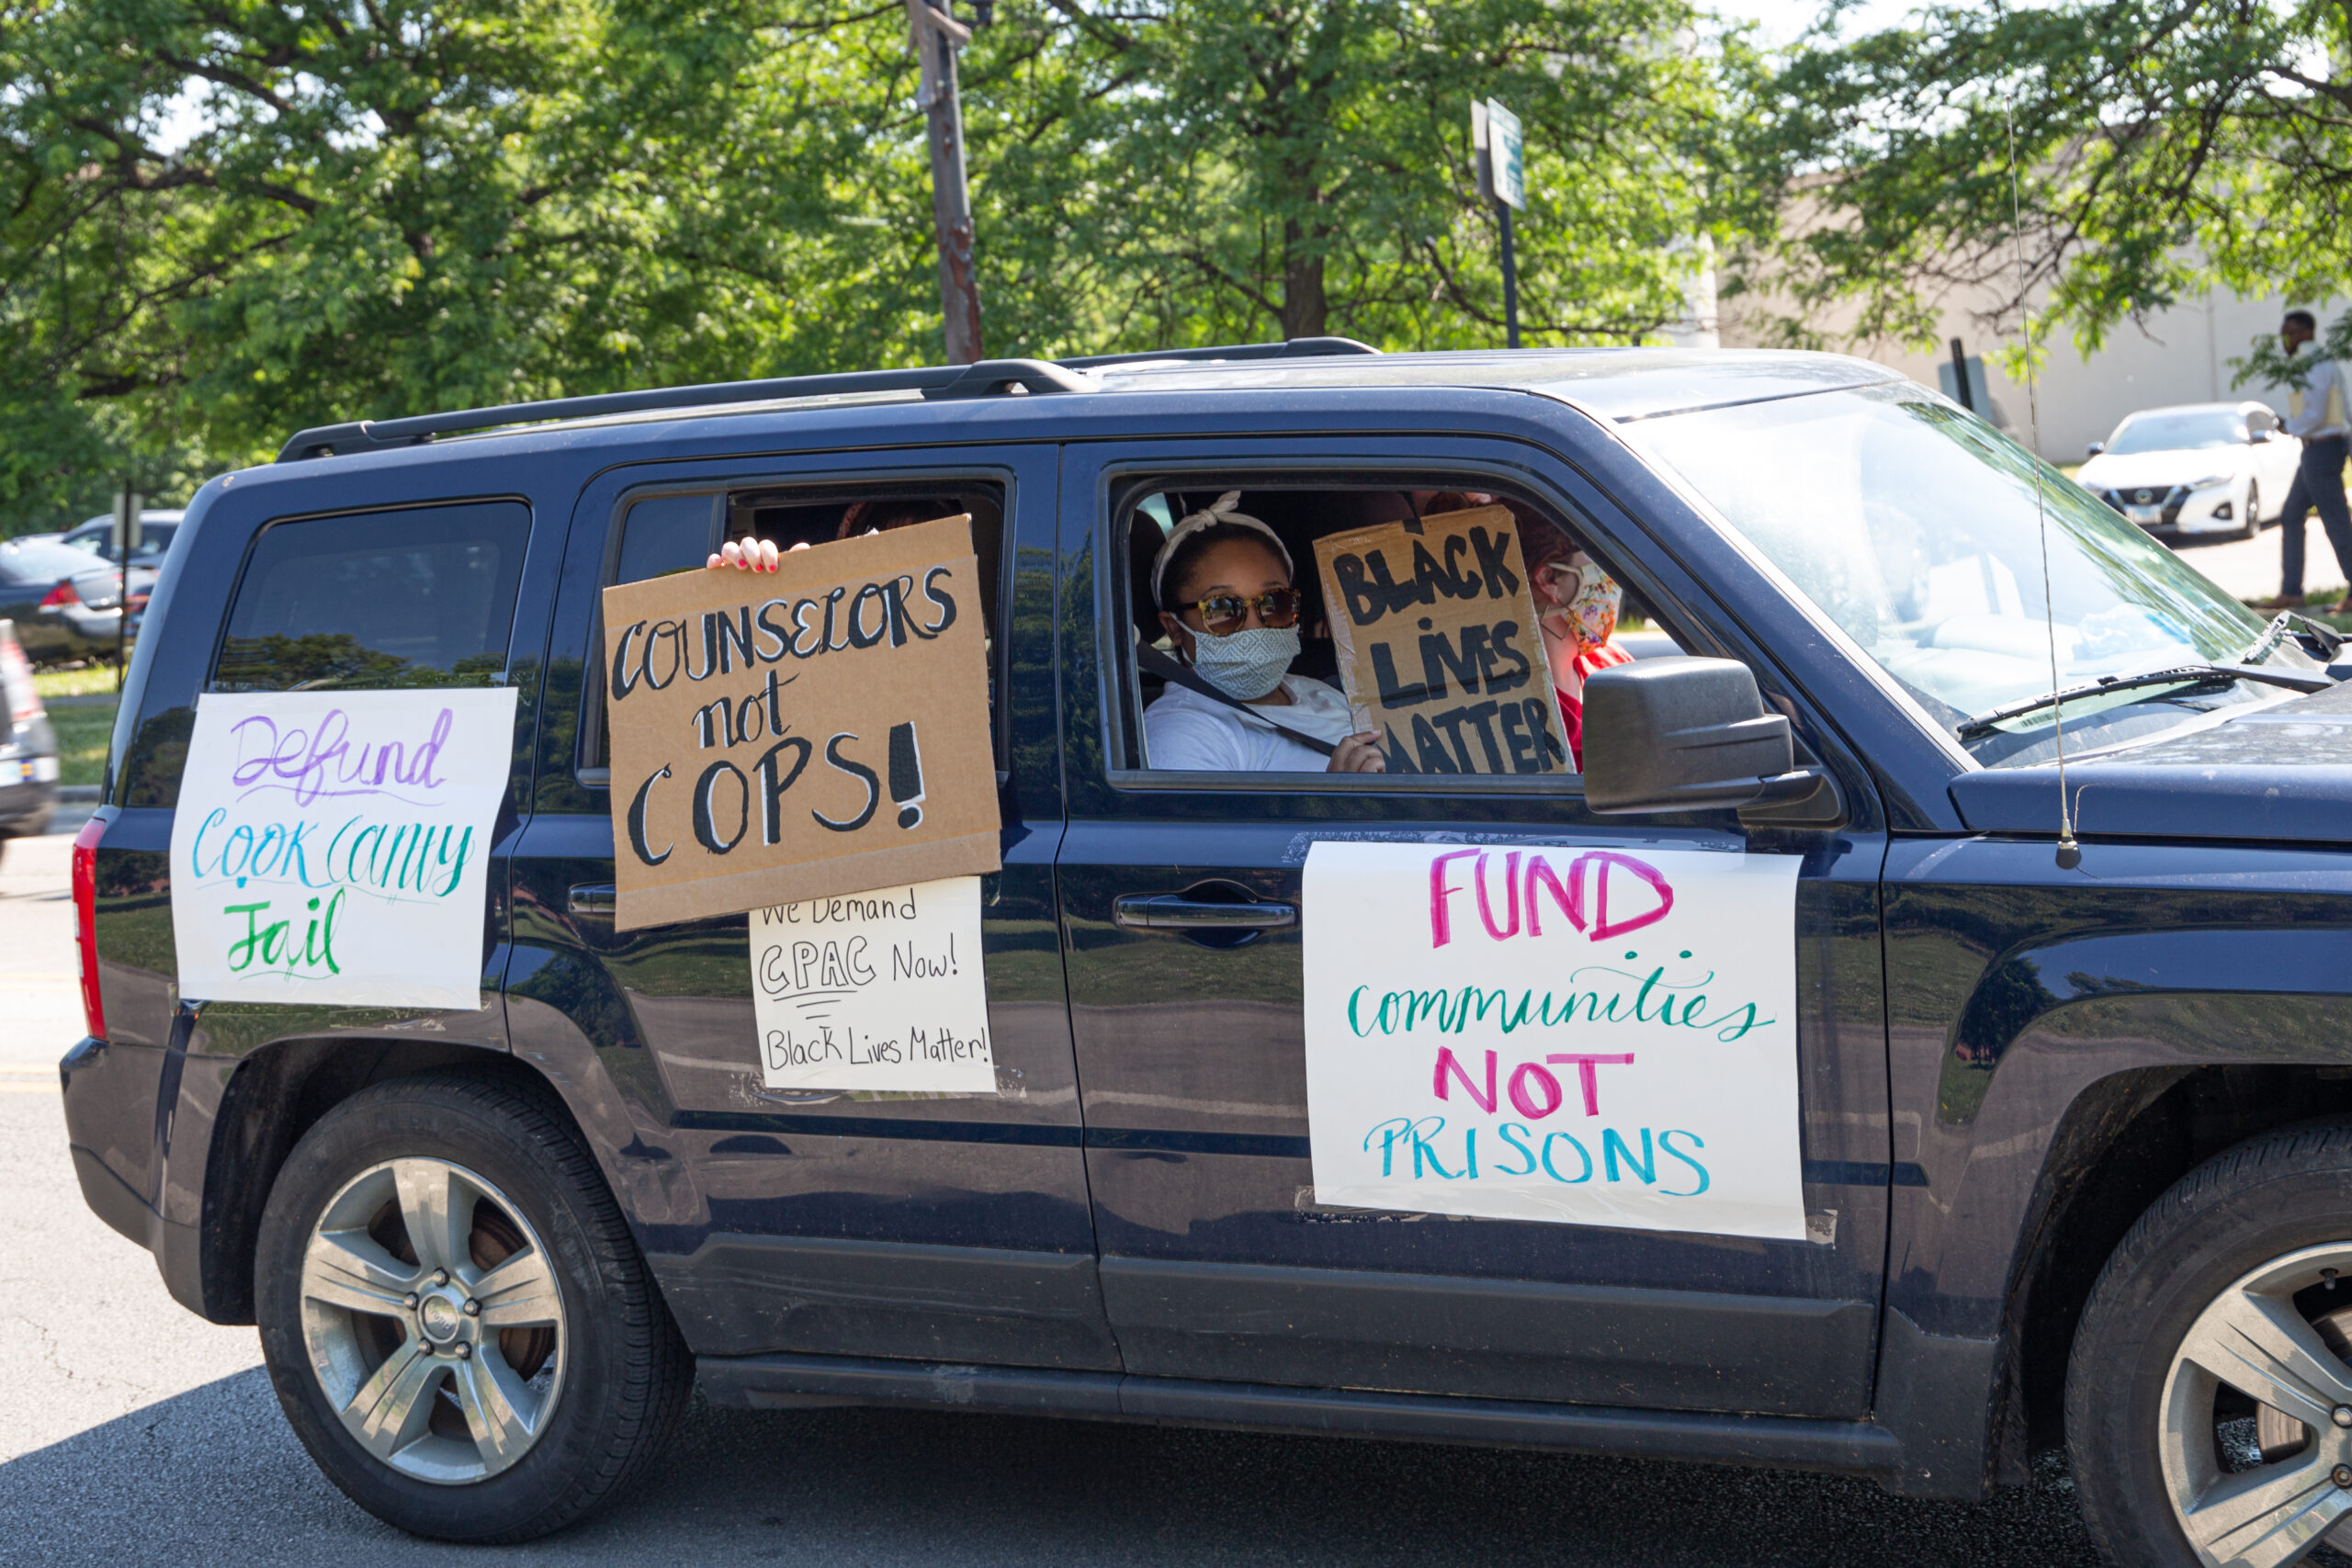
2253 524
624 1377
2265 1201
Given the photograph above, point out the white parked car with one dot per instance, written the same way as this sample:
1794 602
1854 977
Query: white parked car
2197 468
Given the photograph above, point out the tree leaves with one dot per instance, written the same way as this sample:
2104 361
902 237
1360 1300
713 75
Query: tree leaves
395 206
2163 148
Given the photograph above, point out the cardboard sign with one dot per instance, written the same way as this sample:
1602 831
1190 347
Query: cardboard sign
1439 649
1590 1036
874 990
821 728
332 847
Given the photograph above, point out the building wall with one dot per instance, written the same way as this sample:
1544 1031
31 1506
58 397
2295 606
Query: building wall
2179 356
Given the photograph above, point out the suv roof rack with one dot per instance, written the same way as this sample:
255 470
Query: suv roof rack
1294 348
988 378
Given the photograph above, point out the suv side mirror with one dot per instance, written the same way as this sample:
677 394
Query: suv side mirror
2257 437
2094 449
1682 734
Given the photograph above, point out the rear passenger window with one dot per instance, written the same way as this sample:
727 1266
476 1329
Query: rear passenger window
658 534
419 597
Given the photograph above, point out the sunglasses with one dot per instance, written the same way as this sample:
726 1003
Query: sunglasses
1226 613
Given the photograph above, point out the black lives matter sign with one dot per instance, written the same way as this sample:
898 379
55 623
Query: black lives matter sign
1439 650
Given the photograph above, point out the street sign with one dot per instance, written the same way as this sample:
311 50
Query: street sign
125 535
1496 152
1506 157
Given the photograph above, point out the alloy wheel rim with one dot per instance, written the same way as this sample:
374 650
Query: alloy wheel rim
2256 1415
433 1321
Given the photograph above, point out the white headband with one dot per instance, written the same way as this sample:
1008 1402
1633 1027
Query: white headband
1221 510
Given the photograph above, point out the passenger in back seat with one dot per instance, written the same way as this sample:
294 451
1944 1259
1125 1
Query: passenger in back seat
1575 605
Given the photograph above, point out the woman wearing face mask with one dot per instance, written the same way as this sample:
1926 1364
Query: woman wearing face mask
1576 605
1222 582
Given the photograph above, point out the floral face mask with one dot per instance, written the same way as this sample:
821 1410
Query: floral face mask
1583 602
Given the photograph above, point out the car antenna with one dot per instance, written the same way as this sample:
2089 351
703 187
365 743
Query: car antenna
2070 852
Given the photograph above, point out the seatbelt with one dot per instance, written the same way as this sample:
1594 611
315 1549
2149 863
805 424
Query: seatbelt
1152 661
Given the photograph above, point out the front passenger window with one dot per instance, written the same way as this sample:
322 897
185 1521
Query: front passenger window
1238 646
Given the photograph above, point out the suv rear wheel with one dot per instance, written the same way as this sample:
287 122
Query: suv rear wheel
459 1325
2209 1394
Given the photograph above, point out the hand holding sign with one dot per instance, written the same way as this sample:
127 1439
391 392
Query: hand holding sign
1439 649
760 723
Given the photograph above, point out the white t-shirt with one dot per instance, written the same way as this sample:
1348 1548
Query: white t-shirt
1186 730
2313 413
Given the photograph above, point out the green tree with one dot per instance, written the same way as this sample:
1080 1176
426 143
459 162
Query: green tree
2160 148
1219 170
396 206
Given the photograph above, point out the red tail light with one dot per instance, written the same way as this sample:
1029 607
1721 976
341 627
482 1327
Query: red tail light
60 596
86 922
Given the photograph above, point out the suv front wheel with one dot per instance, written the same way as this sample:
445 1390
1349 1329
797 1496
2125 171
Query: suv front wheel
2209 1394
459 1325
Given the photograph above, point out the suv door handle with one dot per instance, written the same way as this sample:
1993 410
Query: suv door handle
1174 912
593 899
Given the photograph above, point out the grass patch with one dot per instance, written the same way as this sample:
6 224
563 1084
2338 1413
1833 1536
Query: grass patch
83 734
89 680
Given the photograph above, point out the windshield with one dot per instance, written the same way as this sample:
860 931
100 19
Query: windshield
2183 430
1913 527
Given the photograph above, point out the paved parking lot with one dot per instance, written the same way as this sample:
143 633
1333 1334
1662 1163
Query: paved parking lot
132 1432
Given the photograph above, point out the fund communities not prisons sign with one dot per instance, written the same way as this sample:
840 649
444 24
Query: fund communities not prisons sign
784 736
1588 1037
1439 649
332 847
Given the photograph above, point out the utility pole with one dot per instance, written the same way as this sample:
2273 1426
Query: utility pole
125 537
937 36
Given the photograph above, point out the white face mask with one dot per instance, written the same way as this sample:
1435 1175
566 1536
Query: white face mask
1246 664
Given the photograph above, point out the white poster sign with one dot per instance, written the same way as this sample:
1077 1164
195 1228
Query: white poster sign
879 990
332 847
1590 1036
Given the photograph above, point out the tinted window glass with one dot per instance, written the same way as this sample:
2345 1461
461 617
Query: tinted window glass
423 597
666 533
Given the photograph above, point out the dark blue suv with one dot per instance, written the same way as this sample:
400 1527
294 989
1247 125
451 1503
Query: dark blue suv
2072 1118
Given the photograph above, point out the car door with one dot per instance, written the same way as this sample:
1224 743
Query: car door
1182 901
941 1228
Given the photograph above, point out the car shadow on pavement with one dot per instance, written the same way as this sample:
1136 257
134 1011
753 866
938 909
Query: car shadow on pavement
215 1475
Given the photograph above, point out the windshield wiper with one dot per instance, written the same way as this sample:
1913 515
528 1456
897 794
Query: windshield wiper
2175 675
2281 624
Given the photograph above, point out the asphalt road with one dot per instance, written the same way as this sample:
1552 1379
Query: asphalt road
2248 568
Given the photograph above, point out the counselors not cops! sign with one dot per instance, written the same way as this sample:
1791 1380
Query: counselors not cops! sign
785 736
1591 1036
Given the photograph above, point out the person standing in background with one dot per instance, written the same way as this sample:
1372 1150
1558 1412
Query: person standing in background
2315 414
